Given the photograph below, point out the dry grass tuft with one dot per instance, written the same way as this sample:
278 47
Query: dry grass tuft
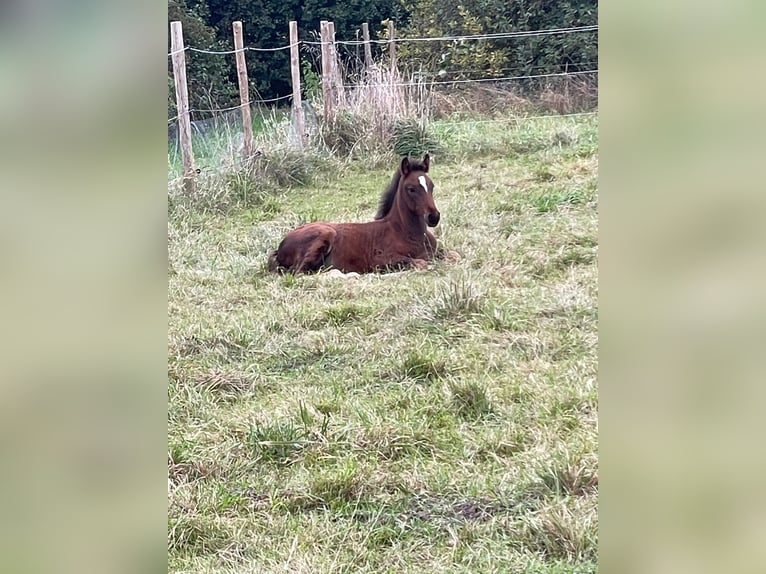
377 116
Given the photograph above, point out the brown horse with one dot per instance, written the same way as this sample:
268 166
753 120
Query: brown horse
398 237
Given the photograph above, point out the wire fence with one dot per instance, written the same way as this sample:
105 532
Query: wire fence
250 103
434 78
476 80
497 36
439 78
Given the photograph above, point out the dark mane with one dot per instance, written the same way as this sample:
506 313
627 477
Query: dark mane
387 199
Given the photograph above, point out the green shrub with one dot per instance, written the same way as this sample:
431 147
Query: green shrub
413 137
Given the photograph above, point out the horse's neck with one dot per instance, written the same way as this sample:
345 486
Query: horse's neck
411 223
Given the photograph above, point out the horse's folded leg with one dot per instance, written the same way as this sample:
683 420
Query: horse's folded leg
317 254
450 256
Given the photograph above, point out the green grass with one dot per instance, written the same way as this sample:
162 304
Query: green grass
421 421
225 141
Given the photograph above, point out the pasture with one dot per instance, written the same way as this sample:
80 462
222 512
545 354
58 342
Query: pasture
437 420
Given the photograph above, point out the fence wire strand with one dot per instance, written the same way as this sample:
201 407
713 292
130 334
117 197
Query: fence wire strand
245 49
476 80
399 84
239 106
495 36
516 119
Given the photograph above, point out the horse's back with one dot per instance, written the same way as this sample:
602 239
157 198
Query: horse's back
352 249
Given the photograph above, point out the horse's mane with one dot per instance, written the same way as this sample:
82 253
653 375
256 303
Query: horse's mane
387 199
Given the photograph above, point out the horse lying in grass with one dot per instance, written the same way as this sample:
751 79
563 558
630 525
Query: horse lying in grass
397 238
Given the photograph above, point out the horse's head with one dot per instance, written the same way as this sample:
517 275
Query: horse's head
416 190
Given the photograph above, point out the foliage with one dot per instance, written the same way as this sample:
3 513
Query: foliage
312 81
212 78
501 57
265 25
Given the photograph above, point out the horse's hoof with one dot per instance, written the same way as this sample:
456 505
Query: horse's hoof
339 273
452 256
420 264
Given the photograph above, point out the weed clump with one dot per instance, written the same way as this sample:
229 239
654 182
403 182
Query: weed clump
470 400
197 534
277 441
573 474
412 137
343 313
380 115
280 441
422 367
457 299
561 533
550 200
282 167
344 132
338 489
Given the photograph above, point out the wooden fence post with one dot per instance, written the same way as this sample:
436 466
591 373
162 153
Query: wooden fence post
337 76
295 71
367 50
356 48
182 103
244 90
392 47
326 72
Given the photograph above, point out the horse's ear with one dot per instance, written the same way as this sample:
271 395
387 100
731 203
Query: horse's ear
406 166
426 161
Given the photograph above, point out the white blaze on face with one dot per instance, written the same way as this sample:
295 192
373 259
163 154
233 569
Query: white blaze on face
422 180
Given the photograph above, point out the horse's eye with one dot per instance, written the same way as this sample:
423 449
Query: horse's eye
412 189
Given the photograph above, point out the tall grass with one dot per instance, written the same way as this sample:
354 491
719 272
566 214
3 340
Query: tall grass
227 180
379 115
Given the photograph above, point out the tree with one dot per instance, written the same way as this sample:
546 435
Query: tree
212 78
266 25
501 57
207 75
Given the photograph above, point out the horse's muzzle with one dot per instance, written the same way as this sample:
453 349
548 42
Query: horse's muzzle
433 219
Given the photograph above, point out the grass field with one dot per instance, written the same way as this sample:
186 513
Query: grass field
442 420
